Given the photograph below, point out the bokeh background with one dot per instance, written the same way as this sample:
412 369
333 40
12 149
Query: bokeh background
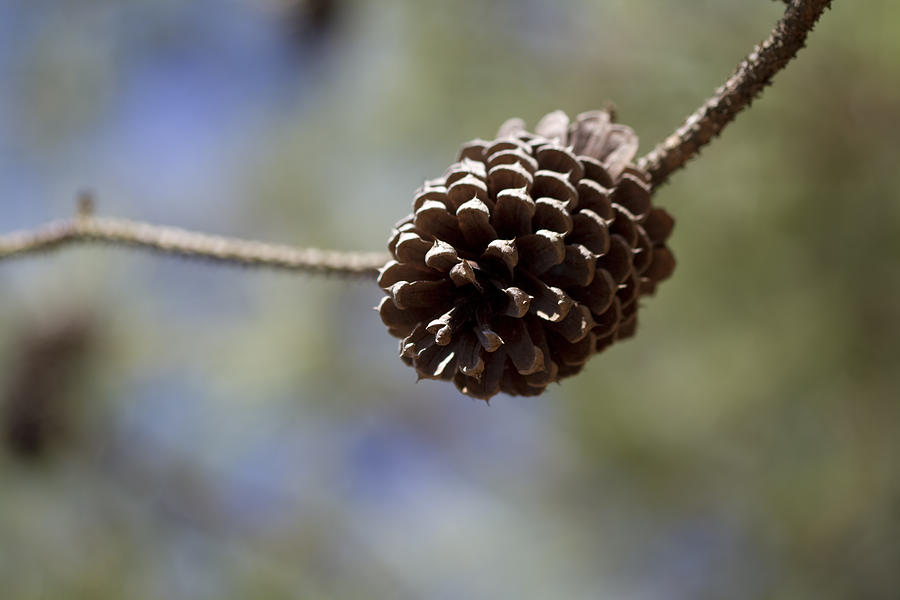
175 429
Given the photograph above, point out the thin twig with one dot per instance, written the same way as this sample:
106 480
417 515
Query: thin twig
170 240
748 80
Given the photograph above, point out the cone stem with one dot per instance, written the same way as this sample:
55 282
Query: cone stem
753 74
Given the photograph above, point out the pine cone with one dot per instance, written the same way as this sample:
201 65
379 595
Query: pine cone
526 257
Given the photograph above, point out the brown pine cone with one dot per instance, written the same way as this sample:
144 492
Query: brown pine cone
526 257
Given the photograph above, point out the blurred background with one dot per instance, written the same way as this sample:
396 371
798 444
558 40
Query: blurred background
175 429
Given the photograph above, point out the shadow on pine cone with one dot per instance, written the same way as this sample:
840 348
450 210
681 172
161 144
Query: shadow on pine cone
527 257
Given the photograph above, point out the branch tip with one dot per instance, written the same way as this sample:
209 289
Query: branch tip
84 204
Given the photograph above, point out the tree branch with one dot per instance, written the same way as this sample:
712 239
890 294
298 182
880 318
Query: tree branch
169 240
747 82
